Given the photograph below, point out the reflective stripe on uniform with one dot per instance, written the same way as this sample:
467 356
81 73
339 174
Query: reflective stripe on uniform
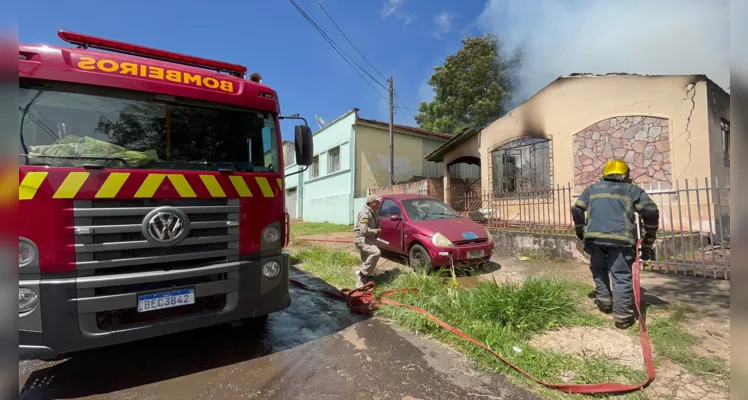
600 235
627 203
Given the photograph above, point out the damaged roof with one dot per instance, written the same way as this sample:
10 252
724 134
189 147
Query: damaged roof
407 129
438 154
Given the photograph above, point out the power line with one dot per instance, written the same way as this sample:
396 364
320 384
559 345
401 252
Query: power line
340 51
404 107
347 58
349 40
335 46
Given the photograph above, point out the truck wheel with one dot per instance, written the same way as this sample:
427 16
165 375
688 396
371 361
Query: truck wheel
419 259
258 322
252 323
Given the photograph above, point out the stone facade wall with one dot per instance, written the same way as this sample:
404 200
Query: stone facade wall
419 185
643 142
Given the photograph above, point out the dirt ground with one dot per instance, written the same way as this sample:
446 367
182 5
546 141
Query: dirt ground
710 297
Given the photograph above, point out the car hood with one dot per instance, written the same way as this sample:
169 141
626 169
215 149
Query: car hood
453 229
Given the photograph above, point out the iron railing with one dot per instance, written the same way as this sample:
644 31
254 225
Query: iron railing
693 236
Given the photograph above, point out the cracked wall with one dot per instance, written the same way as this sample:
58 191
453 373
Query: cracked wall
642 141
571 105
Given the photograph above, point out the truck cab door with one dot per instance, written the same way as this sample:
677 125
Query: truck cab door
391 222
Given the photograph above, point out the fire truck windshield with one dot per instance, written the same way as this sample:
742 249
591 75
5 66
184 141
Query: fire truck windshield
76 125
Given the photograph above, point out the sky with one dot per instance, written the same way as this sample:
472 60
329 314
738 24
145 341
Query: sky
405 39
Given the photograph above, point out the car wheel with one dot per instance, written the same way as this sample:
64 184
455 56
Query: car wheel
419 259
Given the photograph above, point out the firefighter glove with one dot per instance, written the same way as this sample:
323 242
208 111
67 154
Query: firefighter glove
580 232
647 253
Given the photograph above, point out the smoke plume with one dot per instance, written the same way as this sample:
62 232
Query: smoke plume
653 37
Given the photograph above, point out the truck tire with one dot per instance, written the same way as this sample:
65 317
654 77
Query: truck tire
258 322
419 259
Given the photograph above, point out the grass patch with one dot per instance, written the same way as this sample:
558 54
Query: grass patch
333 266
505 316
672 341
537 255
299 228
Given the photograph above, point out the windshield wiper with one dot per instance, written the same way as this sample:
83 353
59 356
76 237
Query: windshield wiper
29 156
443 214
221 166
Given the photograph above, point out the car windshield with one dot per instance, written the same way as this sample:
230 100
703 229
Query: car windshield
76 125
428 209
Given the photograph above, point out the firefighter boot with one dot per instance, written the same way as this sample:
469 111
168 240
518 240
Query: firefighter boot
606 307
362 279
624 323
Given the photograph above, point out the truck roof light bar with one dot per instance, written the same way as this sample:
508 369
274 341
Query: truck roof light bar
85 41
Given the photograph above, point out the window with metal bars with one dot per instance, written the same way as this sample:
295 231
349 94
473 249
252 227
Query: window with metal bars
522 165
333 160
725 126
314 168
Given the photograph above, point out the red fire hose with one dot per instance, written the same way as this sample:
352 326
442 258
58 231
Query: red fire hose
363 301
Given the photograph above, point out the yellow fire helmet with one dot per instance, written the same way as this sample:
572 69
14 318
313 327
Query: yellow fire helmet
616 167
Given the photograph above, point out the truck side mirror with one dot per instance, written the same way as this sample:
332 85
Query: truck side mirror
304 146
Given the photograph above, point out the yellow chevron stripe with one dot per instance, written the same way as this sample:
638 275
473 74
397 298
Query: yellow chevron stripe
71 185
280 183
267 191
150 185
241 186
183 187
30 184
112 185
211 183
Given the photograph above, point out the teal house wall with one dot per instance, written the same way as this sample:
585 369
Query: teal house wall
361 146
327 197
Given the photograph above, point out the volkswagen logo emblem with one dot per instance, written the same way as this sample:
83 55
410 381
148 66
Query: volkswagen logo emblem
165 226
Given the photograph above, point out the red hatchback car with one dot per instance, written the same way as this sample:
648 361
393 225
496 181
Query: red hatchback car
430 233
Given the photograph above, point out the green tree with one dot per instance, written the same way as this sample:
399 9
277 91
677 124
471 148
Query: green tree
471 88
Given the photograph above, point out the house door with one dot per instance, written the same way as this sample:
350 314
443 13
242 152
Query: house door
291 198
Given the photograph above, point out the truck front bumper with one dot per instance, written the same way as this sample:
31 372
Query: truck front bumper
76 313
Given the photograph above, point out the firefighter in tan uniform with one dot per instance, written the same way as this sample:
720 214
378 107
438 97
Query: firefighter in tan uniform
364 233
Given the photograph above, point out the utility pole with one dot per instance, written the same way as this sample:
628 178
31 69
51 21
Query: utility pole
392 138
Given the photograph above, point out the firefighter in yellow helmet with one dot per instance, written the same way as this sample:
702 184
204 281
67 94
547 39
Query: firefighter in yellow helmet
609 235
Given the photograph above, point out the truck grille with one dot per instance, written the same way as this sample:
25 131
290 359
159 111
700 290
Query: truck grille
109 238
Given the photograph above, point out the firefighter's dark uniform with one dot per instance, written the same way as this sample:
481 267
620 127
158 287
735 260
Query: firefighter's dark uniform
364 233
610 235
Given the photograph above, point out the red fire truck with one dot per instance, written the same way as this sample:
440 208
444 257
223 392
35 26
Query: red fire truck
150 195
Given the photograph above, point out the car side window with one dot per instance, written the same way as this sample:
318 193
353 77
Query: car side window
389 208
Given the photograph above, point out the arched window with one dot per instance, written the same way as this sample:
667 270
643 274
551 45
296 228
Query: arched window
522 165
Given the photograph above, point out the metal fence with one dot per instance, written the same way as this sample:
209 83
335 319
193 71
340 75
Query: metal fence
693 236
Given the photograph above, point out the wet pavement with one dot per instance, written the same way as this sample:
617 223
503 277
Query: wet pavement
317 349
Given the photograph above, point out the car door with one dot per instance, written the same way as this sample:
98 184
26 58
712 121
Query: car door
391 222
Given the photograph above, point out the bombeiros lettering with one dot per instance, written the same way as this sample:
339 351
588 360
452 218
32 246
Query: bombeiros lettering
154 72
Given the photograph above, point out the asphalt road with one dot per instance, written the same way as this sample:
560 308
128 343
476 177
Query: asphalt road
316 349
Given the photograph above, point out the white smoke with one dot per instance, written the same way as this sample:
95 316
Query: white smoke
655 37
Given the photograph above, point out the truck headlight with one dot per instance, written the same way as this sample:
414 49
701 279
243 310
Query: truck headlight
27 300
26 252
271 234
440 240
271 269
